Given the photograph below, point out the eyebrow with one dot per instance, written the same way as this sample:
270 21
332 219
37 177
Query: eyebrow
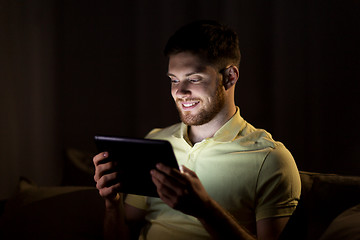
187 75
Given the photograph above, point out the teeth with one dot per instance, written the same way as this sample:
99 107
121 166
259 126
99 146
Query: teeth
188 104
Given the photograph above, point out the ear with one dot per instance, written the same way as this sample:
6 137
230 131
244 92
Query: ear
231 75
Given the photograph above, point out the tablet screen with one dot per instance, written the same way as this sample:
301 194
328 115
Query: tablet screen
135 158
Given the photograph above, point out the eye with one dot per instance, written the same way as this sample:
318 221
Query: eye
194 80
174 81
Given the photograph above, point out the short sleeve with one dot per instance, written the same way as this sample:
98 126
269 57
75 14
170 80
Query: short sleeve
152 132
137 201
278 186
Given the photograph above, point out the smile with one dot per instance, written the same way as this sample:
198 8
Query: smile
189 105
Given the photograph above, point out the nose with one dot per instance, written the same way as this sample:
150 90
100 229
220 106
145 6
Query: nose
182 89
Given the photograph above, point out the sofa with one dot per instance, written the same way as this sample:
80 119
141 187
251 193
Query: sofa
329 208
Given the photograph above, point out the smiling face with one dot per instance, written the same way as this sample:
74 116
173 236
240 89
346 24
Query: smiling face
196 88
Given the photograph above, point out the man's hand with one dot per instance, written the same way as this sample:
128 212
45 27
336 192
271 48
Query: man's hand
182 191
106 176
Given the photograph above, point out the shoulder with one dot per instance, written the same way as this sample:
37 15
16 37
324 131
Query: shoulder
277 165
279 157
164 133
255 139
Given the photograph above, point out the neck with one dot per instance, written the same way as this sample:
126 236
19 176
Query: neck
207 130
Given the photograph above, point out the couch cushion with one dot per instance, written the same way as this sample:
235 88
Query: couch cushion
53 213
323 197
345 227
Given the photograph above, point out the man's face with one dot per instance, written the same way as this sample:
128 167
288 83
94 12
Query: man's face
196 88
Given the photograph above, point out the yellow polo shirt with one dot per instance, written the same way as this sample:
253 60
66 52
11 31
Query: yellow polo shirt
241 167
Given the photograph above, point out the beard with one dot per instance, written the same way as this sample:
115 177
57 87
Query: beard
206 113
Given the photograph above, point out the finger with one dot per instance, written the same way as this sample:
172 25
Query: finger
100 157
165 193
167 179
168 186
107 180
162 188
110 192
186 170
160 177
170 171
103 169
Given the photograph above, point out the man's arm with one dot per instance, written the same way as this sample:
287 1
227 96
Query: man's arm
222 225
184 192
271 228
117 213
135 220
114 220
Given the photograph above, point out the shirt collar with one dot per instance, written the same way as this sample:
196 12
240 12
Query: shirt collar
226 133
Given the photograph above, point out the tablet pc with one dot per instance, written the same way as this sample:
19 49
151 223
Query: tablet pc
135 158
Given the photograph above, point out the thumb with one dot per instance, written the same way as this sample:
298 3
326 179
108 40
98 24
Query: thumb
187 171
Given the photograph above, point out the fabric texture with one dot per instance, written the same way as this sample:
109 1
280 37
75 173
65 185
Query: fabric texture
241 167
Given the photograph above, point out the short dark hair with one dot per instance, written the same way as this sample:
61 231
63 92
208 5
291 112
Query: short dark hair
215 43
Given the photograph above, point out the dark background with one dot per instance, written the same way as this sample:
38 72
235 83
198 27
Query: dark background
71 69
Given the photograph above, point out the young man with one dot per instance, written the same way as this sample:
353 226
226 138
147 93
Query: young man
236 181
